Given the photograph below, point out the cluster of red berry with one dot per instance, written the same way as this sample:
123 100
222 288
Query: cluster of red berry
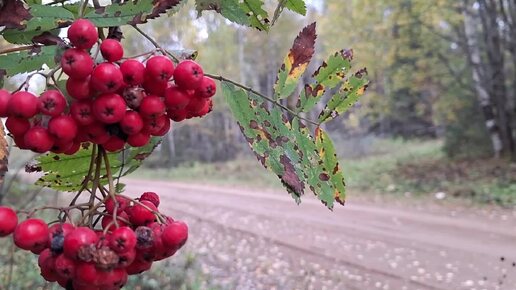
111 103
81 258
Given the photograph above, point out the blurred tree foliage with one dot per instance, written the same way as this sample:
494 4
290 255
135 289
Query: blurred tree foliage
439 69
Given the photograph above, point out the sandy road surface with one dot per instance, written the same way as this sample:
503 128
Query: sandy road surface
255 240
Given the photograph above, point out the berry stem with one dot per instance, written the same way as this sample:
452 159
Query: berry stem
275 102
19 48
176 60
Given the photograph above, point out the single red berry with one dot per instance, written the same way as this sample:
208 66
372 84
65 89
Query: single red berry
208 106
76 63
154 87
107 221
152 107
139 139
109 108
196 105
126 258
123 203
114 279
176 98
20 142
132 123
188 75
52 103
159 68
79 89
77 285
106 78
111 50
114 144
150 196
8 221
81 112
122 240
65 266
63 127
5 96
77 239
97 133
165 128
47 266
207 89
76 146
154 126
177 115
133 72
31 235
60 146
83 34
138 267
86 273
38 139
17 126
175 235
141 214
23 105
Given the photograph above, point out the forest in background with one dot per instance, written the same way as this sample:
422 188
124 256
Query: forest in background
442 72
441 69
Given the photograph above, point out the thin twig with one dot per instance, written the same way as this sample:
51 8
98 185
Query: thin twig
19 48
292 112
164 51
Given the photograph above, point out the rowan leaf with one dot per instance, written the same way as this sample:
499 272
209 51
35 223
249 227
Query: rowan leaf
243 12
284 147
28 61
68 172
354 87
42 19
298 6
134 156
129 12
14 14
328 76
296 62
258 17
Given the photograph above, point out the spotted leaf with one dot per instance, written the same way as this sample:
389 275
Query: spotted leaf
295 62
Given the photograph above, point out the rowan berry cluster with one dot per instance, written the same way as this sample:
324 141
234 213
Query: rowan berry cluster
111 103
83 258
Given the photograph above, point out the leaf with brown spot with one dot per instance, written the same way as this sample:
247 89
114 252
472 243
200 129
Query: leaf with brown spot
130 12
14 14
295 63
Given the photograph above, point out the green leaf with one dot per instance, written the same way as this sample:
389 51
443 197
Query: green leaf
258 17
230 9
44 18
286 148
297 6
133 156
328 156
67 172
244 12
346 97
328 76
28 61
295 63
130 12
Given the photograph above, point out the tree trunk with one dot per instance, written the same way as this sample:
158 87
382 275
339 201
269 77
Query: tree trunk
473 53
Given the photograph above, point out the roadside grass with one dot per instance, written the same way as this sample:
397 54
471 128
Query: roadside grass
386 166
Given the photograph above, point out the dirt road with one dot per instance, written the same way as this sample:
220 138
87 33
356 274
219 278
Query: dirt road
263 240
